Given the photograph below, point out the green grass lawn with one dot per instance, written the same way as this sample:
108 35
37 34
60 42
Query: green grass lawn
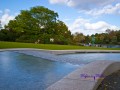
4 45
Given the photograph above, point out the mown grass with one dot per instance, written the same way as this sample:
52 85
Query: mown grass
4 45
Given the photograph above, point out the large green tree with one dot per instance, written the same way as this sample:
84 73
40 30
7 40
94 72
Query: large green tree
38 23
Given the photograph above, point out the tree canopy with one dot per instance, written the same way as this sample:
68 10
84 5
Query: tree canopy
39 23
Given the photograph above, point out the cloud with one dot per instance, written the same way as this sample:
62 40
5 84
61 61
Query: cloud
109 9
87 27
6 17
58 1
83 4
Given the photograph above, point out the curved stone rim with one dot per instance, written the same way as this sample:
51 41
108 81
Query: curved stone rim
73 82
111 68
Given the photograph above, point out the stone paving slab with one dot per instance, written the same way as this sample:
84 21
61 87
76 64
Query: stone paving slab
69 84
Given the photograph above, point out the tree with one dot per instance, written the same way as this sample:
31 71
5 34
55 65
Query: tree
6 35
61 33
30 23
39 24
118 37
87 39
0 25
78 38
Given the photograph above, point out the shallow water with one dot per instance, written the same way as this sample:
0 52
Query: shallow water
90 57
25 72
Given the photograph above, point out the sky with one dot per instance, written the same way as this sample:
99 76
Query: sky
84 16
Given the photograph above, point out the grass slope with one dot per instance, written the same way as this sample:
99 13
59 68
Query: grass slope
4 45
